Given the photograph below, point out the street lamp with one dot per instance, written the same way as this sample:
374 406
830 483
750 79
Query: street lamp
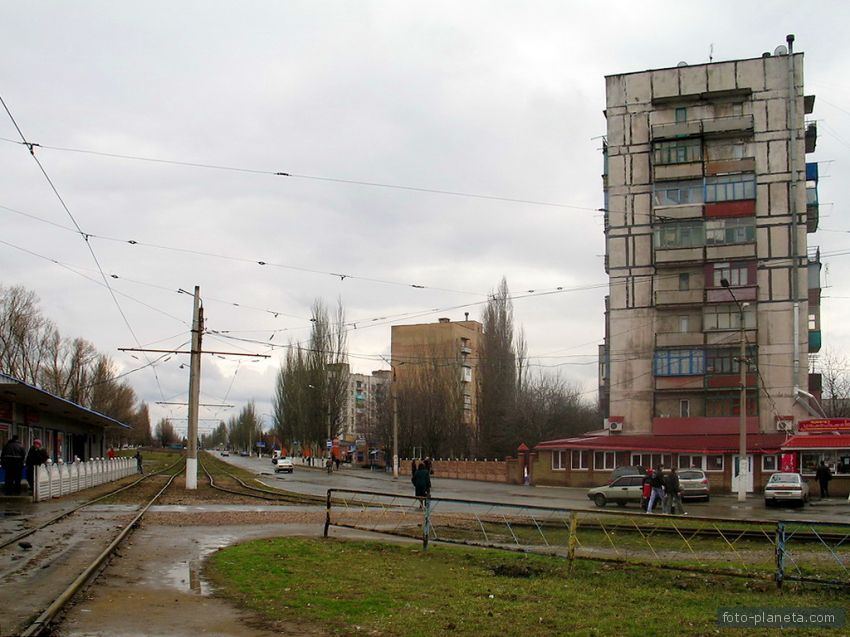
742 427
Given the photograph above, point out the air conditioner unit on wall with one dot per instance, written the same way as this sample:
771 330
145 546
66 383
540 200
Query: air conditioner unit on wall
615 426
785 425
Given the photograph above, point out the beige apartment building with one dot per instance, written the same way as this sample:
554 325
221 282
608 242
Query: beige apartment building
441 345
709 204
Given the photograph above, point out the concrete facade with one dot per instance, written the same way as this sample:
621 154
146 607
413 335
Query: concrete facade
698 186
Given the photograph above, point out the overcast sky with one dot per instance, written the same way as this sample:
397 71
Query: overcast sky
498 99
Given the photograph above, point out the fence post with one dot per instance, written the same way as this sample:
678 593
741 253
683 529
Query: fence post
426 526
780 553
571 543
328 514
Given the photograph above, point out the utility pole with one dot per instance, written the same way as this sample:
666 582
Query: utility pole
744 366
395 429
194 392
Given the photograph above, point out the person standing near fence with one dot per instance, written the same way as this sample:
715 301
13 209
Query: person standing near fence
422 482
36 457
673 494
12 459
138 458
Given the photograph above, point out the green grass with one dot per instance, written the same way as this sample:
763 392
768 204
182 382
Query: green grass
342 587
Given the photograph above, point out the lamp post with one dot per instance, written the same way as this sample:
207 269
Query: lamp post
743 365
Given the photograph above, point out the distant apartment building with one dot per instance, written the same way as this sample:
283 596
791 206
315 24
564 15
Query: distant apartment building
709 202
361 409
444 345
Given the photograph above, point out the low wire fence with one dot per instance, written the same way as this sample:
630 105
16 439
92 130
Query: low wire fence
55 480
802 551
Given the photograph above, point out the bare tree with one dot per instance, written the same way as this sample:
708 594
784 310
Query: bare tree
835 383
26 337
165 434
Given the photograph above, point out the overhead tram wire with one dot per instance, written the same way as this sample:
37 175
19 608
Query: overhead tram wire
294 175
31 148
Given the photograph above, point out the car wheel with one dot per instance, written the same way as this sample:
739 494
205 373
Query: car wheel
599 500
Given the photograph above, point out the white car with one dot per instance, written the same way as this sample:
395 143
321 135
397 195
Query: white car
786 487
283 464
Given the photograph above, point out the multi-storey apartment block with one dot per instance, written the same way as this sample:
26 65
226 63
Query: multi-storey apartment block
709 203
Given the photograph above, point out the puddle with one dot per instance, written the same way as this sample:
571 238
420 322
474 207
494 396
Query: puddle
186 574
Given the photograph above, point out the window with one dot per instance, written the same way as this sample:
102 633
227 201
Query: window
559 460
685 408
684 322
647 460
466 374
727 317
676 193
714 463
730 187
736 273
813 323
580 459
678 362
687 461
680 235
684 281
725 361
730 231
603 460
681 115
729 403
769 463
678 152
467 401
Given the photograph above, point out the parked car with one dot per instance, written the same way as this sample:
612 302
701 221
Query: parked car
694 483
244 454
283 463
225 452
623 490
786 487
635 470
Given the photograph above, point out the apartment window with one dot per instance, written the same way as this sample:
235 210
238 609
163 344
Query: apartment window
727 317
729 404
687 461
813 324
678 362
679 235
681 115
467 401
685 408
676 193
466 374
730 231
580 460
730 187
684 324
677 152
714 463
769 463
603 460
559 461
684 281
725 361
736 273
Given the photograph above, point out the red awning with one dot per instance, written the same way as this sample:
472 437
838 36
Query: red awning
820 441
724 443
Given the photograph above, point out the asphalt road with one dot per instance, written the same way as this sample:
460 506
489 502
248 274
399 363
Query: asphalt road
316 481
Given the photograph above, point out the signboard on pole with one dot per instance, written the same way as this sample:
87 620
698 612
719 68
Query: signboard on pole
330 443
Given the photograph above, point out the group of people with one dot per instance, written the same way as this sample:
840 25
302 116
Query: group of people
664 488
14 460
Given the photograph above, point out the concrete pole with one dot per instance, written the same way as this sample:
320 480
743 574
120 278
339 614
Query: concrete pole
395 432
743 464
194 393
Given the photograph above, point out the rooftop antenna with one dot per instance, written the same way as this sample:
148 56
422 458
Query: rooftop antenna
711 53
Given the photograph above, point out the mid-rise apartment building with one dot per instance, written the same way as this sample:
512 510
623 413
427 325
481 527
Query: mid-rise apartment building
709 203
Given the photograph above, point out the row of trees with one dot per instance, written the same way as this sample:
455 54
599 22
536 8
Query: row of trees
32 350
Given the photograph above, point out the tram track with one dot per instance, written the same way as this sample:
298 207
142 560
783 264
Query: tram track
251 491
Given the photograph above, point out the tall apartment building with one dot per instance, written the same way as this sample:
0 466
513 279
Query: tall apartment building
362 404
450 345
709 202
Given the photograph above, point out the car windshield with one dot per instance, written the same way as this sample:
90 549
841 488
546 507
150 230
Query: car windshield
691 475
784 478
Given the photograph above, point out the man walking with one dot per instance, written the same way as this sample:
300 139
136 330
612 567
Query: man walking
12 459
673 493
823 475
657 484
422 482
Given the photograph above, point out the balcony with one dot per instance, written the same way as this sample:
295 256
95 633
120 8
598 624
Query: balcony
678 297
812 207
812 171
724 295
814 341
678 255
716 127
679 339
811 136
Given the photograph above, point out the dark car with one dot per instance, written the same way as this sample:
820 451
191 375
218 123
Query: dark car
619 472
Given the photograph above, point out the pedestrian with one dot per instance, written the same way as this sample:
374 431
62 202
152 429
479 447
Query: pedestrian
657 484
138 458
111 454
336 462
646 490
36 456
413 468
428 466
422 483
329 465
823 475
12 459
673 494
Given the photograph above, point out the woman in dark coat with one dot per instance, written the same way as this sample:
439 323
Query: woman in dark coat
35 456
422 482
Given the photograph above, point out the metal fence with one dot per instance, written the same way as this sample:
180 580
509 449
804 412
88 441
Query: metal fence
801 551
55 480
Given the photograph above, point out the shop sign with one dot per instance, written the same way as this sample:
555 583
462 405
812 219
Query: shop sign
824 424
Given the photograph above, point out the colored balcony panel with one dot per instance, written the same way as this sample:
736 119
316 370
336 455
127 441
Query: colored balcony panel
814 341
812 171
811 136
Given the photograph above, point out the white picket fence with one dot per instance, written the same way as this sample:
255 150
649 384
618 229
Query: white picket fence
55 480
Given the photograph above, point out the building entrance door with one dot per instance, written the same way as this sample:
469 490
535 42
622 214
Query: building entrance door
746 475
